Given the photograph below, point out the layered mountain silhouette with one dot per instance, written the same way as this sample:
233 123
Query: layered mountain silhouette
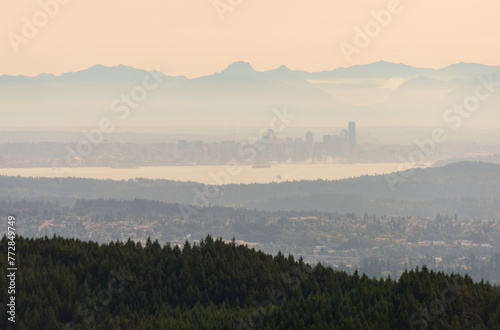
380 93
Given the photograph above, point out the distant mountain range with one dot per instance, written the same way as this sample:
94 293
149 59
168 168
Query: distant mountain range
380 93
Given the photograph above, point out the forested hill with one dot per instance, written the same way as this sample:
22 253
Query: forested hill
468 189
467 179
64 283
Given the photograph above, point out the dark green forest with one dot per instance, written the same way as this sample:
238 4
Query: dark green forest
68 283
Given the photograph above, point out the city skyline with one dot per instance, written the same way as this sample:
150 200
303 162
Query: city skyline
201 164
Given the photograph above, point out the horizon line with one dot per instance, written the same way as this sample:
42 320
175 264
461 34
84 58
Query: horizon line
241 61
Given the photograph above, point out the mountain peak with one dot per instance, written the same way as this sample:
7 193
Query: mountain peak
466 65
115 68
239 67
385 64
283 68
97 67
102 72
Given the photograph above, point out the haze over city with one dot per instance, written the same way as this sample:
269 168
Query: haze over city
237 164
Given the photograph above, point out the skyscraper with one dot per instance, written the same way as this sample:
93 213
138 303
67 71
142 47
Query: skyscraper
352 135
309 144
309 139
344 135
299 149
328 145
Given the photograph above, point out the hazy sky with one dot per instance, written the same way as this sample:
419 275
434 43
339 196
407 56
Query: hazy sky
189 37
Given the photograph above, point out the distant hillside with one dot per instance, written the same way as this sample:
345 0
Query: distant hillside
468 189
495 159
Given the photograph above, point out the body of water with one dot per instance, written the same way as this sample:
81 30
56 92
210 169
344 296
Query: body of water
219 174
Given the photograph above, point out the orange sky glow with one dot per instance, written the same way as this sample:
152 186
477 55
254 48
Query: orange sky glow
199 37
